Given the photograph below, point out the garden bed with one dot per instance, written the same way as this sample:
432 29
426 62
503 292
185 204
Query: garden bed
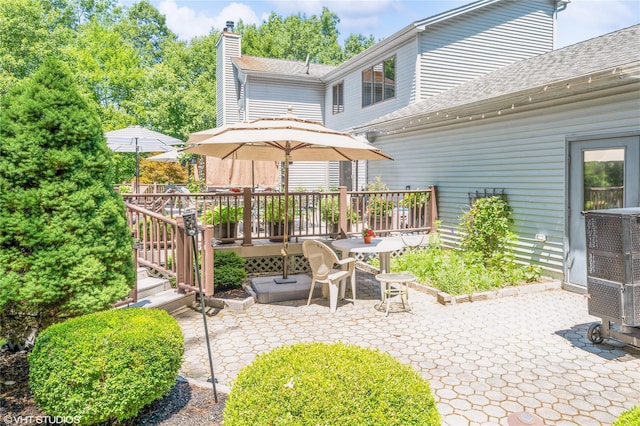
526 288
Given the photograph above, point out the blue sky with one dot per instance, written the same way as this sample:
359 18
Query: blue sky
582 20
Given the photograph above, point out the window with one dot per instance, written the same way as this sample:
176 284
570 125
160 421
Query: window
338 98
378 82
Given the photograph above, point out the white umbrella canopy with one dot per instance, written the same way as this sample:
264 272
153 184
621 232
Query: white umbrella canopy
285 138
139 139
166 157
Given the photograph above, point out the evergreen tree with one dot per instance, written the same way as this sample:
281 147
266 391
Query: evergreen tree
65 247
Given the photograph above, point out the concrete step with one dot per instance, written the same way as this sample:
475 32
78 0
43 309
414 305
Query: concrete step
142 273
168 300
152 285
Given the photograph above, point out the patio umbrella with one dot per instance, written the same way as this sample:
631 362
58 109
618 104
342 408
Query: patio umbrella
166 157
139 139
285 138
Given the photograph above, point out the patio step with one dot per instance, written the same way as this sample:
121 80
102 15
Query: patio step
168 300
154 292
149 286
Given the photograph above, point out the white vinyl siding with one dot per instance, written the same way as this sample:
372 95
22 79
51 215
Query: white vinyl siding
466 47
525 154
226 86
268 98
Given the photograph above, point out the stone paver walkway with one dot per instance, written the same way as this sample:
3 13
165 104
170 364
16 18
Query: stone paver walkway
484 360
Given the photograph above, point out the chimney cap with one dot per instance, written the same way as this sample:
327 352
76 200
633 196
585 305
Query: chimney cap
229 25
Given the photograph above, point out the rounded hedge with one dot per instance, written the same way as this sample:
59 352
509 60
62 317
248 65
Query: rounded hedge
107 365
329 384
629 418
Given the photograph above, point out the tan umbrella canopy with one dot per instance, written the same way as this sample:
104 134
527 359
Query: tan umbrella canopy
139 139
285 138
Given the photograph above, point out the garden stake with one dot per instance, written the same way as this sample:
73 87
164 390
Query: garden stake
192 231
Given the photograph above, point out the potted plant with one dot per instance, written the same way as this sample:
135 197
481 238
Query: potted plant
416 203
368 234
380 207
274 217
225 220
330 214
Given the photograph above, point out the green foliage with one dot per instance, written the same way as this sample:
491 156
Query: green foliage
274 209
65 247
330 211
415 199
456 272
296 36
228 270
379 205
486 229
629 418
329 384
223 214
107 365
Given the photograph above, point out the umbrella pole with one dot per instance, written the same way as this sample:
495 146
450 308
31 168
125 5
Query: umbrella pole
285 239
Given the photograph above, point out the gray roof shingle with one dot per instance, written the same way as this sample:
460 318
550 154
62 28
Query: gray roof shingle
255 64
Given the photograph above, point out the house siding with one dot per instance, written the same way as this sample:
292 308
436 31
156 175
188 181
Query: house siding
354 113
468 46
267 98
227 110
522 153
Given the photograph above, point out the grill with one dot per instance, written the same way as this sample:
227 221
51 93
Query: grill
613 264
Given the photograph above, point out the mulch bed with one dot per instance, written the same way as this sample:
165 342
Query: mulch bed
185 405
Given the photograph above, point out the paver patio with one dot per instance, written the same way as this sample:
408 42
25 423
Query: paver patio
484 360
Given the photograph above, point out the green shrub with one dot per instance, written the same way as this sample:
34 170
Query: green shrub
629 418
107 365
329 384
486 229
228 271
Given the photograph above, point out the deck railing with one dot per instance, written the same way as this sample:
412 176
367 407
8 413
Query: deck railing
247 216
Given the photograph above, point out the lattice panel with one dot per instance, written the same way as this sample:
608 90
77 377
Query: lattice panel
257 266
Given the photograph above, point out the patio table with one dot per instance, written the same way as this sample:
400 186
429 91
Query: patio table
380 246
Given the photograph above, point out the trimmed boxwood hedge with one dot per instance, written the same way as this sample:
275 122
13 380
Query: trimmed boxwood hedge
629 418
329 384
107 365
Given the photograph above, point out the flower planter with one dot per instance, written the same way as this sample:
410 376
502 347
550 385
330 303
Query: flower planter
276 231
226 233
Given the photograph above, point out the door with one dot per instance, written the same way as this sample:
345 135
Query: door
603 174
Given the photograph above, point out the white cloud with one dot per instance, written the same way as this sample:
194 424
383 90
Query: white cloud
185 22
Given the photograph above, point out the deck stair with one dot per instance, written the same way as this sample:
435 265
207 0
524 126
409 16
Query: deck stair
154 292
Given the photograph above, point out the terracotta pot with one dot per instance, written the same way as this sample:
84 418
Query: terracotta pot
367 240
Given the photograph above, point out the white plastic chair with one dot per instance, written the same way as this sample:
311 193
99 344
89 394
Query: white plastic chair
323 262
